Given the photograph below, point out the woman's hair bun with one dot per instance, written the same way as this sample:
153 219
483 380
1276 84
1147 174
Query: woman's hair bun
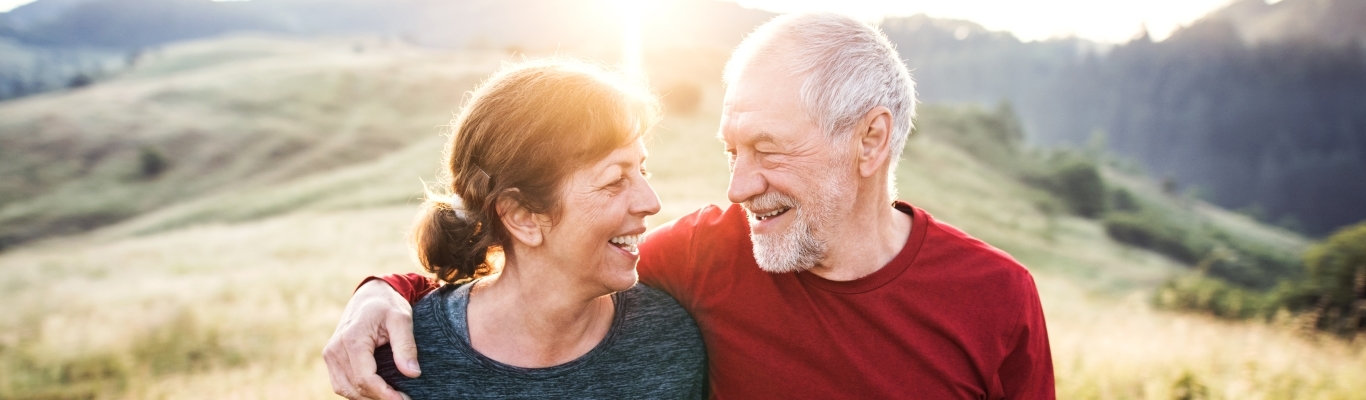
448 240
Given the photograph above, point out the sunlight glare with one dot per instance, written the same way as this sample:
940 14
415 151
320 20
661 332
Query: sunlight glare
632 12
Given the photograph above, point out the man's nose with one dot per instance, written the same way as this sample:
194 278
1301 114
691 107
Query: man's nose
745 179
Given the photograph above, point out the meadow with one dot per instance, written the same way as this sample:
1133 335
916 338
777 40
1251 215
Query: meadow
294 169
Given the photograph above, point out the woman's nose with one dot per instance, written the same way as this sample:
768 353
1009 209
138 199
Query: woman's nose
646 200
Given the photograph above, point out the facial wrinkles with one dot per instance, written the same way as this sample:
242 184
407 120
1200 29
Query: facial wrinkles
794 171
814 206
804 244
592 211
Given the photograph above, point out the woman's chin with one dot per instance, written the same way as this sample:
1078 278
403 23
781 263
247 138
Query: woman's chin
622 281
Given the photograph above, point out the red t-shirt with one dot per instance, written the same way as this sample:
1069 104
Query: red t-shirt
950 317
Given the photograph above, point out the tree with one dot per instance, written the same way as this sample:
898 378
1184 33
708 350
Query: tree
80 80
152 162
1337 273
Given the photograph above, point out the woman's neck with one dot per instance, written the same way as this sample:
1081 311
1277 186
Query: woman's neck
521 317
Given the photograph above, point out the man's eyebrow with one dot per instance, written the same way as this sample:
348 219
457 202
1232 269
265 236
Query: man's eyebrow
762 136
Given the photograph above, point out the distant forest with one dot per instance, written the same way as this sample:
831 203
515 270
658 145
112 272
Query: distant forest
1257 107
1274 126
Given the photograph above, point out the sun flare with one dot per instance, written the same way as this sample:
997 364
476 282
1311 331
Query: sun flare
631 13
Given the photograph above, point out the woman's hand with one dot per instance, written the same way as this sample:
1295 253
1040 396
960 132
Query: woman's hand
375 315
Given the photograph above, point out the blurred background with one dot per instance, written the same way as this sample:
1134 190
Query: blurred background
190 189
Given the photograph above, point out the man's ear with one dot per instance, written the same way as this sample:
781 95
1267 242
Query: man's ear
522 224
874 134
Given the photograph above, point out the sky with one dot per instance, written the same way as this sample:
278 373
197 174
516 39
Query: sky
6 5
1113 21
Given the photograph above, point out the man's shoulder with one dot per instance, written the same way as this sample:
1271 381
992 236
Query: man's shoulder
710 229
945 243
681 255
710 220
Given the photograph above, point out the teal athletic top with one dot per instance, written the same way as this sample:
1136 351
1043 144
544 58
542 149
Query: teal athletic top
652 350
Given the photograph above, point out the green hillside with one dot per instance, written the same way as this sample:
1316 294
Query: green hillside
291 170
216 117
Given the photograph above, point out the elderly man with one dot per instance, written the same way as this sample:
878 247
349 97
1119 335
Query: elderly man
816 283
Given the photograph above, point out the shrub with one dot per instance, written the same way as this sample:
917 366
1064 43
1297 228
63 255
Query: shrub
1122 200
1329 293
1337 276
1217 253
1077 181
1150 232
1198 292
151 162
1188 387
80 80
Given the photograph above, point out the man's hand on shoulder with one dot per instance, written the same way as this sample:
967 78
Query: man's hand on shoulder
376 315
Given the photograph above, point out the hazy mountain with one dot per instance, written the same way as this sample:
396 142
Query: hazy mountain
1332 21
1257 106
526 24
36 12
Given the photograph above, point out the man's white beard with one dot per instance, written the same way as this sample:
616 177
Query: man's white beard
800 247
795 250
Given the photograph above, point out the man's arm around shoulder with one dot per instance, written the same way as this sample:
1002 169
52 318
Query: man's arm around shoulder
380 312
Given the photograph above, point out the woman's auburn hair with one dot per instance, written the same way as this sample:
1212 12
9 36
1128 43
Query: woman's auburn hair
521 133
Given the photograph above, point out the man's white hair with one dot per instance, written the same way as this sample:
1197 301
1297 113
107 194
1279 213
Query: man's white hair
848 66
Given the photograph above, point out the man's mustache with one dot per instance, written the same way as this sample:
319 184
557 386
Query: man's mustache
768 202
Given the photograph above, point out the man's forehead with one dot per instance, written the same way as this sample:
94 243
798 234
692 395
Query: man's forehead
747 118
761 95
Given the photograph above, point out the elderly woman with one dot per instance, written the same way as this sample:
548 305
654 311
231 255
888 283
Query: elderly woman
536 244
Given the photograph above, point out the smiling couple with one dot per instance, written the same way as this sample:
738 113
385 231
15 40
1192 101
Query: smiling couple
816 283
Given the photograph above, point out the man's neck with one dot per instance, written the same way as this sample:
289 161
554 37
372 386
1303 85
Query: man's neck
872 235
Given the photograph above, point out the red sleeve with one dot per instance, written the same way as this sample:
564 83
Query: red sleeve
1027 372
411 286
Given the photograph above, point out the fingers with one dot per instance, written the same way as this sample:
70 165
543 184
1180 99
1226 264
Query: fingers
349 354
400 333
361 379
374 387
374 314
338 369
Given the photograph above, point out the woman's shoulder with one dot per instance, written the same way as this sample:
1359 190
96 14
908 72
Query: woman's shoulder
660 342
653 300
652 312
439 318
446 293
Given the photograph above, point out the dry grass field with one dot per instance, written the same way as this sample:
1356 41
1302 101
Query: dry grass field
225 279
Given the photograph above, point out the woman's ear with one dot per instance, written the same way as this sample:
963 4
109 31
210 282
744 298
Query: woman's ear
522 224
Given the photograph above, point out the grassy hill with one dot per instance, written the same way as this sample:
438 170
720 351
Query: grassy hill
292 169
217 117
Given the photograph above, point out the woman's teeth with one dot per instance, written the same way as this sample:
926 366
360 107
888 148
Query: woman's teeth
769 214
627 242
